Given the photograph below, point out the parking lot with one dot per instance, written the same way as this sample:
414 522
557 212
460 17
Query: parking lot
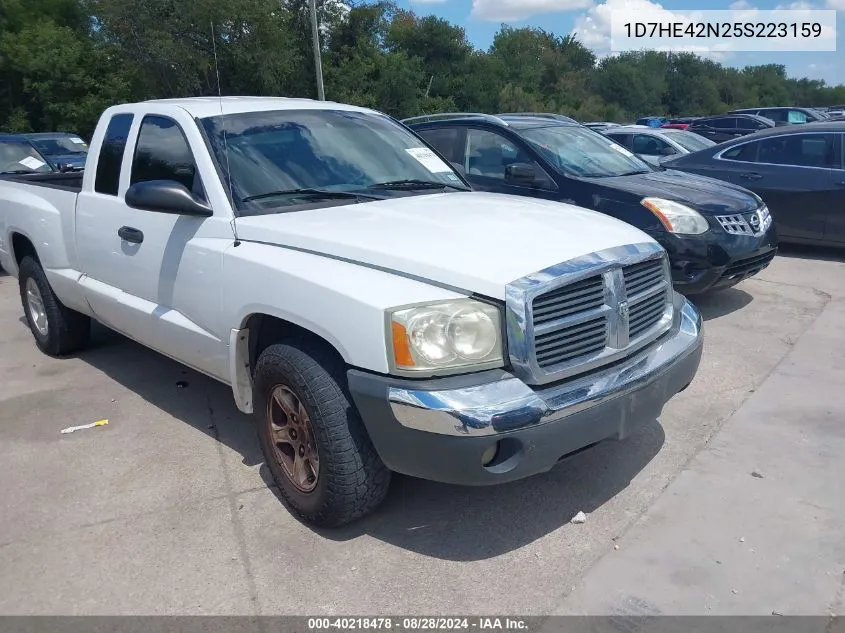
167 508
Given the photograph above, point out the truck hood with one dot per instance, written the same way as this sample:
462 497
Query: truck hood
706 195
477 242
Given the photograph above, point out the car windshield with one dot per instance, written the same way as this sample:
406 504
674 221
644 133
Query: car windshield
580 151
20 157
60 145
690 141
272 155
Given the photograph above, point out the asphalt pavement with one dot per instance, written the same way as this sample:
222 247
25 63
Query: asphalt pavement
167 509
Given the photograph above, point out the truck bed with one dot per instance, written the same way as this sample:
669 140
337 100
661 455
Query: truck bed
67 181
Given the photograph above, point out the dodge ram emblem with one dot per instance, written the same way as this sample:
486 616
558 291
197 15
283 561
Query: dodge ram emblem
623 310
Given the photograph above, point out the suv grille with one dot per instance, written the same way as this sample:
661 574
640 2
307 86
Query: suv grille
754 223
595 320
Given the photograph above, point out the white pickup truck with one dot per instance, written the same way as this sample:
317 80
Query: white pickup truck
371 312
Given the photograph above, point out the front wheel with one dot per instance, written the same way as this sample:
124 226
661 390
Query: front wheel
57 329
313 439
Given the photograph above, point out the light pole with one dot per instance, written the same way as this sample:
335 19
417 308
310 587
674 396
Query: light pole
318 63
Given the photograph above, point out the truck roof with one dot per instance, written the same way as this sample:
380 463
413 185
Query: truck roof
202 107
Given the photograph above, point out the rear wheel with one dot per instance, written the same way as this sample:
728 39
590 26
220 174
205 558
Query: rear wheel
314 442
57 329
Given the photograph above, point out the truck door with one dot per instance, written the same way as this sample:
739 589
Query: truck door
154 276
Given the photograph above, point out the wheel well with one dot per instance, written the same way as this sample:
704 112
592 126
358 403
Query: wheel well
22 247
265 330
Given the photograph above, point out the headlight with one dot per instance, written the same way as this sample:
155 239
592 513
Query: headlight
676 217
445 336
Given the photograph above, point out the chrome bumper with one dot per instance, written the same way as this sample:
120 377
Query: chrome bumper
509 404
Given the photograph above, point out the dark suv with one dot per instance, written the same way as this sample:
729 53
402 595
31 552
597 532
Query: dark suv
727 127
704 224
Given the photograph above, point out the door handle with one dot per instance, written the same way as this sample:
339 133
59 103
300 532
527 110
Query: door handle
751 176
840 183
130 234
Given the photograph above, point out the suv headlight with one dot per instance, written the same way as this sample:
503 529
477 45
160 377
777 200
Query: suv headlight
676 217
445 336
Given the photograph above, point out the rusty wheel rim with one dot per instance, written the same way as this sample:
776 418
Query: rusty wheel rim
293 438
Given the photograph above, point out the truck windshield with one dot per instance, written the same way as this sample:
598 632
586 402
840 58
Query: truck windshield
269 158
19 157
580 151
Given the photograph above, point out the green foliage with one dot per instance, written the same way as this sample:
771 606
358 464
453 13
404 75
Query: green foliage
63 61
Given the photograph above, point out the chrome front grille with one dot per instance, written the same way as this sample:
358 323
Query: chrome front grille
581 296
585 313
571 342
645 314
642 276
753 223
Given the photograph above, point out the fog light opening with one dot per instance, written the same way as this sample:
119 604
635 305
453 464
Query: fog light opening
489 454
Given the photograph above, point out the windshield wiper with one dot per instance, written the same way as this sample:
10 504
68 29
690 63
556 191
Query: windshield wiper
412 183
18 171
315 193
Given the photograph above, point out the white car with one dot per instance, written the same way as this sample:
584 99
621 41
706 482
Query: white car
371 312
654 145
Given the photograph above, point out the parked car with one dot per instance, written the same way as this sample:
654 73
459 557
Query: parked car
19 156
652 121
656 145
600 125
798 171
679 124
784 115
729 126
373 313
554 160
65 151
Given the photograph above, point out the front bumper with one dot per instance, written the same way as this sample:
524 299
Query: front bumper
716 260
442 429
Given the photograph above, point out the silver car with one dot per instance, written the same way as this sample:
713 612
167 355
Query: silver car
655 145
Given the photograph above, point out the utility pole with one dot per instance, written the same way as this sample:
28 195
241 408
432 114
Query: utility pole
318 63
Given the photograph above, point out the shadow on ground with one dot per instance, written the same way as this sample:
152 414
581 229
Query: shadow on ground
717 304
821 253
437 520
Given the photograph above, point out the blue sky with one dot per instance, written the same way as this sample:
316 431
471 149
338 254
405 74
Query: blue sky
590 18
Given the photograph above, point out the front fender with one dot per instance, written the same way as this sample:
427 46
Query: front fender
342 302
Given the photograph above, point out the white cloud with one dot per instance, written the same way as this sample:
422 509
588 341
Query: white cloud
839 5
799 5
427 1
512 10
740 5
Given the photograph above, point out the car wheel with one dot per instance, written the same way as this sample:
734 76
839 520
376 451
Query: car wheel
314 442
57 329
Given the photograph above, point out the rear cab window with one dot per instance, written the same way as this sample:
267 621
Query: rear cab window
110 158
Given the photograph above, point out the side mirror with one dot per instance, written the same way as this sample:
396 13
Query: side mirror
165 196
520 174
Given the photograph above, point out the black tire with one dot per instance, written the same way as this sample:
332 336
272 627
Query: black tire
351 480
67 330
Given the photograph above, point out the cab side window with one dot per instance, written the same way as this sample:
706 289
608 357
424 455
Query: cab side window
111 154
163 153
